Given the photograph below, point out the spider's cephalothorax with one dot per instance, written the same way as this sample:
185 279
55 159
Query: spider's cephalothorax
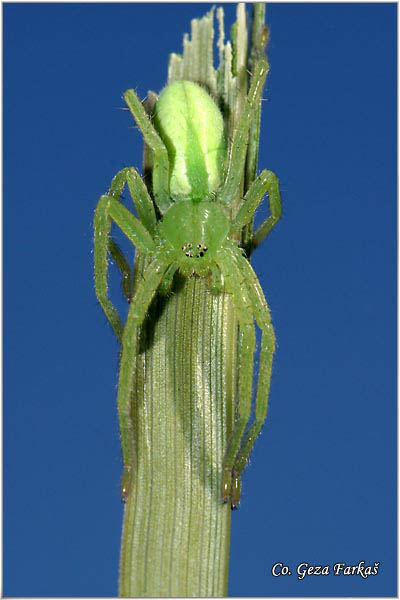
194 232
190 224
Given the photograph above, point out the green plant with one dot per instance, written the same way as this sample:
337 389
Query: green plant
193 235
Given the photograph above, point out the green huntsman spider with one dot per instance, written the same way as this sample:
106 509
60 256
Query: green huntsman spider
190 225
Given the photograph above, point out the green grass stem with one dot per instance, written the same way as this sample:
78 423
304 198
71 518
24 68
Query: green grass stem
176 530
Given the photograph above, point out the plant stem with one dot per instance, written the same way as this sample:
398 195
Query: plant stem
176 531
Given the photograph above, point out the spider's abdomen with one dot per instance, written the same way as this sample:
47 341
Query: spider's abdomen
192 128
195 231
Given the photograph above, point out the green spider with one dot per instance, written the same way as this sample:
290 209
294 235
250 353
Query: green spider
191 226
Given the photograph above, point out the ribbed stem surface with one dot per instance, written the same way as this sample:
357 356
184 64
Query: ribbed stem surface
176 529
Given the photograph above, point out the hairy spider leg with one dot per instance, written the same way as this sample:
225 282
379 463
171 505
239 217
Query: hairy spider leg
266 183
102 226
166 284
137 312
263 318
238 148
119 258
141 199
276 212
160 178
117 185
216 286
145 210
108 209
240 298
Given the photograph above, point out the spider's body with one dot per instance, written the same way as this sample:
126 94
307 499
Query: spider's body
193 187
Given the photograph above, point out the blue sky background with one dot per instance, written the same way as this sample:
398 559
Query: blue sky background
321 487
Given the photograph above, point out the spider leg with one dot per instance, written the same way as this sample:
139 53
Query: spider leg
168 279
263 318
160 155
234 284
137 312
238 147
117 185
216 286
119 258
145 210
266 182
140 196
142 201
265 227
109 209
